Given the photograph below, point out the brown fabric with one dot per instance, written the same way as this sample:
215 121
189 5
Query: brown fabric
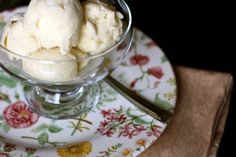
198 123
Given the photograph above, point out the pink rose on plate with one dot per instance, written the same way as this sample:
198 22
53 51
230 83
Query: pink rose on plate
4 154
18 115
139 59
156 72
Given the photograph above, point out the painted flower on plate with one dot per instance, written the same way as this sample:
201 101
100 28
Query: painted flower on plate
141 142
80 150
155 131
133 83
18 115
30 150
127 152
139 59
4 154
9 147
156 72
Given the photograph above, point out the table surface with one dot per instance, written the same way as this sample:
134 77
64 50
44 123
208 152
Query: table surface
200 37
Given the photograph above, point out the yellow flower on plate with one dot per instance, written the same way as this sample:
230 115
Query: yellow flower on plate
82 149
127 152
141 142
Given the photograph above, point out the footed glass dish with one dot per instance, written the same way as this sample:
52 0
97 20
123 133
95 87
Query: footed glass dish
76 95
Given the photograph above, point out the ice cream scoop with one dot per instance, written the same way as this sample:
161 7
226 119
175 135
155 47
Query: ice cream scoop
64 33
16 39
55 23
101 28
59 68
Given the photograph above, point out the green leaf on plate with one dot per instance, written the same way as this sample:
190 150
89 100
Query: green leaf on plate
128 112
143 37
164 59
54 128
43 138
110 150
163 103
7 81
27 88
6 128
40 128
140 120
109 99
2 24
4 97
136 118
17 96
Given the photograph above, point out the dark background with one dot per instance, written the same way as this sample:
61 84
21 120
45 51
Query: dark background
199 37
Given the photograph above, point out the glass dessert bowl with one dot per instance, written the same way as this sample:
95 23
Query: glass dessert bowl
67 97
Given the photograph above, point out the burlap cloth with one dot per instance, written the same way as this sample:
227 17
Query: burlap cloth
199 119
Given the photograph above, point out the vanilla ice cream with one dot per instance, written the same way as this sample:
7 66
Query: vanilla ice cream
16 39
65 66
64 33
55 23
81 58
101 28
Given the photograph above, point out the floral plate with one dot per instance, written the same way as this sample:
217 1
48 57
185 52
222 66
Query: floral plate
113 128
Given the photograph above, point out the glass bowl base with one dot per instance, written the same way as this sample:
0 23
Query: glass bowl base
63 104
